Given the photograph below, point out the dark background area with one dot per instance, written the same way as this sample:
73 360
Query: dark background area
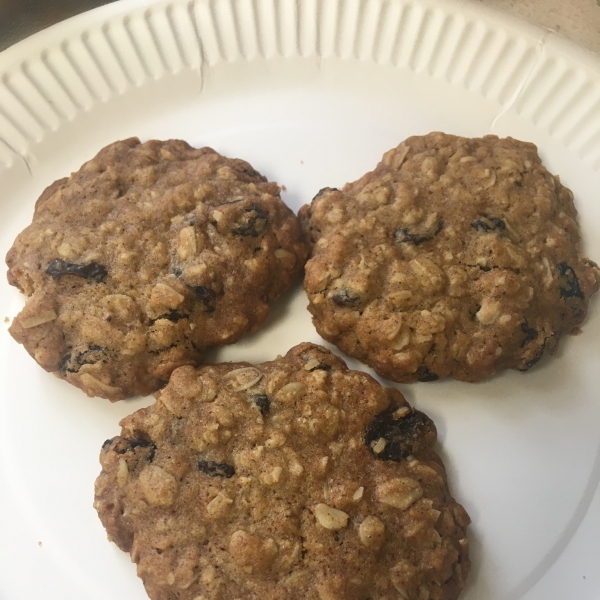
22 18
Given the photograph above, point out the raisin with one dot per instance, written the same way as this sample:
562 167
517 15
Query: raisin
84 356
403 435
487 224
63 363
71 363
138 442
567 282
206 295
92 271
215 469
536 358
202 292
346 298
174 316
499 224
124 445
424 374
252 223
263 402
405 235
107 443
530 333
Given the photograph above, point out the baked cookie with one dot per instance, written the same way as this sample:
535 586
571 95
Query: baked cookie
296 478
146 256
454 257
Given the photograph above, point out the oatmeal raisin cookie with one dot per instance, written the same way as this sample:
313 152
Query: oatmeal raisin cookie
146 256
455 258
296 478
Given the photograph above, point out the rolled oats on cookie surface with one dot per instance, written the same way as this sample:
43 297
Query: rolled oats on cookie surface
149 254
455 257
295 478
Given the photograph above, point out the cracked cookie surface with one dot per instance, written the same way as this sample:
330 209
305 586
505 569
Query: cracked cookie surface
146 256
455 257
296 478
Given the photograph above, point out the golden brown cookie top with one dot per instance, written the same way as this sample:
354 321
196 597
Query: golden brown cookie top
146 256
454 257
296 478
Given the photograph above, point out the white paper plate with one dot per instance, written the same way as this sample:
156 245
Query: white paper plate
312 93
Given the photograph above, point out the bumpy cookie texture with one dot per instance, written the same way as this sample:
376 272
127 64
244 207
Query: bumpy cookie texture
454 257
146 256
296 478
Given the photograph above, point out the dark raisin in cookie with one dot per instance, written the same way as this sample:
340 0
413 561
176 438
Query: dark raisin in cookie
455 258
146 256
295 478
